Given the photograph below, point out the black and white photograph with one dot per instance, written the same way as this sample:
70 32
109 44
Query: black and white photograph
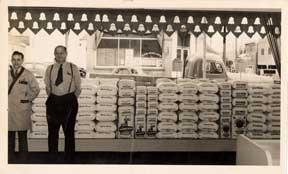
137 83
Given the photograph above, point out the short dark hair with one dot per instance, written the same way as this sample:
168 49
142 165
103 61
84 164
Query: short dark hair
18 53
60 46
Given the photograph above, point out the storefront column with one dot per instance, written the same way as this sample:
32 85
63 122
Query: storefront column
90 59
168 54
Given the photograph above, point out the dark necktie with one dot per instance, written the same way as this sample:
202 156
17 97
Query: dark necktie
59 79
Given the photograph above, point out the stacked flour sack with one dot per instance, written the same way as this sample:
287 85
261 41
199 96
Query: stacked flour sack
208 107
85 119
273 111
167 117
106 108
256 118
240 104
152 111
187 116
126 109
225 93
38 117
141 111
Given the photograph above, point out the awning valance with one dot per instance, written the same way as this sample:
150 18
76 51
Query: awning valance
144 21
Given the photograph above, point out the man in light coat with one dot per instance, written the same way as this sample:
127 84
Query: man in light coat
23 89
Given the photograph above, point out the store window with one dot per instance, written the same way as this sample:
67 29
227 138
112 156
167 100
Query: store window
129 51
262 51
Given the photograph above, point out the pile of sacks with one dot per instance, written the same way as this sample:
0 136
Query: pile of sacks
257 108
273 111
106 108
126 109
152 111
168 107
208 107
188 117
141 111
85 119
225 93
240 104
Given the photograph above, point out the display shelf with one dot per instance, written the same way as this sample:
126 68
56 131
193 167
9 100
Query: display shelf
140 145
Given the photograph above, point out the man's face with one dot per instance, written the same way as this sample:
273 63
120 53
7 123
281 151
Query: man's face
60 55
17 61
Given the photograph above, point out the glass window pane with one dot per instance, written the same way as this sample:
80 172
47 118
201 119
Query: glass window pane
108 43
135 45
107 54
124 43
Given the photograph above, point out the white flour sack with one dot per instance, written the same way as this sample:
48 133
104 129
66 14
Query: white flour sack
188 88
168 97
126 101
88 89
226 99
152 90
141 104
126 84
241 111
152 111
105 127
207 87
38 134
39 126
208 106
41 98
126 93
152 105
274 89
167 87
240 93
188 135
39 107
188 106
107 135
225 112
167 126
257 127
209 116
256 89
106 99
106 107
140 111
256 117
273 126
108 81
167 116
209 98
240 85
241 102
274 99
256 135
152 98
183 80
106 90
161 80
141 90
257 107
226 106
126 110
274 108
225 93
257 99
39 116
188 116
208 135
188 98
85 116
167 106
84 125
185 125
168 135
273 135
225 85
86 99
84 134
106 116
151 124
141 97
140 126
274 117
208 126
86 107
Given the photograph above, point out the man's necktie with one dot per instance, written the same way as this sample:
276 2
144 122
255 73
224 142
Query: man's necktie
59 79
